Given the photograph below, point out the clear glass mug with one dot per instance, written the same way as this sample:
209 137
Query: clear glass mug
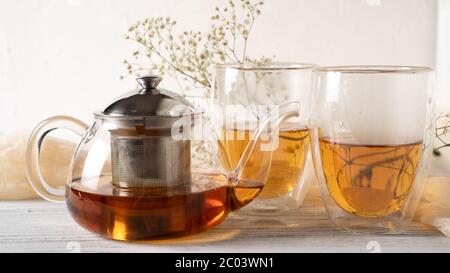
372 141
244 95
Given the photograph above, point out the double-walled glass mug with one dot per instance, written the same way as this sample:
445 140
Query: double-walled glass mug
373 135
243 96
131 177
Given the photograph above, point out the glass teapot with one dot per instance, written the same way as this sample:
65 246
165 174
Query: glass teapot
131 176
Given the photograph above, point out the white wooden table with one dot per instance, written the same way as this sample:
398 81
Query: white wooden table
40 226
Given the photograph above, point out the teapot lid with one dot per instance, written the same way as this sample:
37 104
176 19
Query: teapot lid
149 101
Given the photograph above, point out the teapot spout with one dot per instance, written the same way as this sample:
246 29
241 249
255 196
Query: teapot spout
254 164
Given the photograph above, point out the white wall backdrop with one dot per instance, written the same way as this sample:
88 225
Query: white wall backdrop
443 54
65 56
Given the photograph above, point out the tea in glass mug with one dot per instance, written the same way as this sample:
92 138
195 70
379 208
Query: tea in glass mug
373 131
244 95
288 158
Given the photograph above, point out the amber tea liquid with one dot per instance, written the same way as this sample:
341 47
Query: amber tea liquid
288 159
370 181
140 214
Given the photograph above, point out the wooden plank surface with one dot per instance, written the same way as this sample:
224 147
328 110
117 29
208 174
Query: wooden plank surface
40 226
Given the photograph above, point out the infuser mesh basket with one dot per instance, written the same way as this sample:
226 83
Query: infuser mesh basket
150 161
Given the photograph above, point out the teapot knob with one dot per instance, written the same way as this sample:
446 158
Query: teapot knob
149 82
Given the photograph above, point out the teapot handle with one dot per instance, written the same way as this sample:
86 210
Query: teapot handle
37 137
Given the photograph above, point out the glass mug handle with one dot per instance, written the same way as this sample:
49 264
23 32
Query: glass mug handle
37 137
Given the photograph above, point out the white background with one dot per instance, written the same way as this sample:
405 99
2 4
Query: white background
65 56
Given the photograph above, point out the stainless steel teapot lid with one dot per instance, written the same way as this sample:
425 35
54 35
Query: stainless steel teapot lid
149 101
